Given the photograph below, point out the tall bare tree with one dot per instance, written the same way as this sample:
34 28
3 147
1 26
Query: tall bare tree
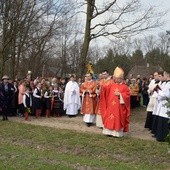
118 19
163 42
27 29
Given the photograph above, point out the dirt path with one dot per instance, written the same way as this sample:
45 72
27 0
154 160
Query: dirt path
137 129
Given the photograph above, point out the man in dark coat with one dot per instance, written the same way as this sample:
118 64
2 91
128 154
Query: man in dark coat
6 92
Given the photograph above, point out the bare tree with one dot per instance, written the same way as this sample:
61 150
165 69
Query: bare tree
163 42
118 19
121 46
150 43
27 29
138 43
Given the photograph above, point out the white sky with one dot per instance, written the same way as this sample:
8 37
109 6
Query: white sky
161 5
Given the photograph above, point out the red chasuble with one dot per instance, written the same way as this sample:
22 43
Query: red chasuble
115 113
103 84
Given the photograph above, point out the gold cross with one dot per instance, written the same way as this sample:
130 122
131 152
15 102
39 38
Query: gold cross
111 116
113 103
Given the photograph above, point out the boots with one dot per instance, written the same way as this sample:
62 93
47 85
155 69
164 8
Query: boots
26 116
47 113
37 113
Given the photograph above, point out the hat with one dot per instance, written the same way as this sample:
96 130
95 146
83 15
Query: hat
118 72
5 77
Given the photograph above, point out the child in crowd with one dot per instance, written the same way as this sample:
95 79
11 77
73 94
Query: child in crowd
48 97
27 101
37 98
57 108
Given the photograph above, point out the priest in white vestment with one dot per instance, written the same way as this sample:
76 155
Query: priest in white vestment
152 100
162 127
72 101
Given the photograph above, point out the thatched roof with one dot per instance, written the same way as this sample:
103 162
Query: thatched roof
143 70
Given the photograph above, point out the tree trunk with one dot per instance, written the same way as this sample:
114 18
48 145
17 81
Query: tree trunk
87 37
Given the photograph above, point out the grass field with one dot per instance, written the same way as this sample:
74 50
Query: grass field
25 146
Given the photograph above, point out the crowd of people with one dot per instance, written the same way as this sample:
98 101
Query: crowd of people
105 102
139 90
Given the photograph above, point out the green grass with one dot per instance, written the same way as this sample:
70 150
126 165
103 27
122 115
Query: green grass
24 146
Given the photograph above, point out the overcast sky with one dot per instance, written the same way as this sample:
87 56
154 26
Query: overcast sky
162 5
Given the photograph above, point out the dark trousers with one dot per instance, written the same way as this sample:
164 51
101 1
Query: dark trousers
145 100
133 101
21 109
5 113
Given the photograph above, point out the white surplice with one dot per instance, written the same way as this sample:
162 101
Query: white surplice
152 95
158 104
163 95
72 98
